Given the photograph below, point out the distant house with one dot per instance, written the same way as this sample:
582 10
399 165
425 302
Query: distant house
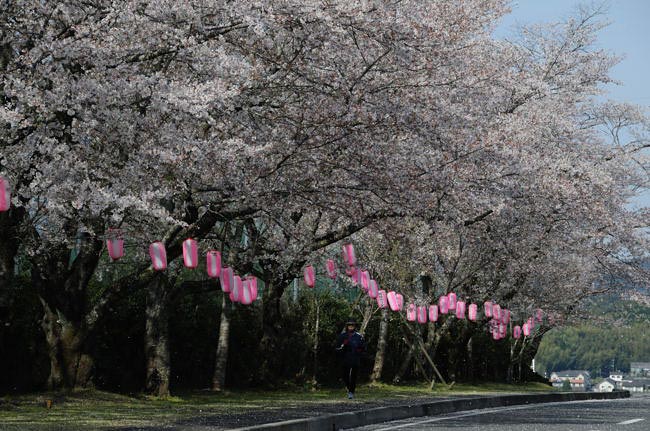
617 376
580 380
640 369
636 385
607 385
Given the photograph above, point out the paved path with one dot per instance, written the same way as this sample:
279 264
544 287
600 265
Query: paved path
631 414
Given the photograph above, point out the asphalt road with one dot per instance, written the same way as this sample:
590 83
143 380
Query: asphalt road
630 414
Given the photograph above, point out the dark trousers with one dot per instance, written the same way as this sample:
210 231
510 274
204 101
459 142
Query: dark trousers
350 376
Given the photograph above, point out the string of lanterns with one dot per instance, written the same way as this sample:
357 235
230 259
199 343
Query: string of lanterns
245 290
242 290
500 318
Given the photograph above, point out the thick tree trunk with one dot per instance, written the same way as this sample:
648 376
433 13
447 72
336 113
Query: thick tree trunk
70 366
381 347
157 337
221 361
52 337
61 278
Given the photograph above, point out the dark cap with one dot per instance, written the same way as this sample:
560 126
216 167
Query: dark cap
351 321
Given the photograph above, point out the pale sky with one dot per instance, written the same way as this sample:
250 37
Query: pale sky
628 34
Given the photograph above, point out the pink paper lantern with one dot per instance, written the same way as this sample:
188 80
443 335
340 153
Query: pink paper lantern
392 300
190 253
433 313
246 294
411 313
365 280
252 286
496 311
452 300
505 316
158 256
526 329
348 255
516 332
473 311
213 263
422 314
115 248
237 291
227 279
330 268
5 195
115 245
443 304
496 335
310 276
373 289
355 276
487 308
382 300
460 309
395 301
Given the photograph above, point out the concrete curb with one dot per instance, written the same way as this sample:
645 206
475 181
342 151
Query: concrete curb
337 421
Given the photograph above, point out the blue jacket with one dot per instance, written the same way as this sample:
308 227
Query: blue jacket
351 347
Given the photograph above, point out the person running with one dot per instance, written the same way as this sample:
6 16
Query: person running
350 347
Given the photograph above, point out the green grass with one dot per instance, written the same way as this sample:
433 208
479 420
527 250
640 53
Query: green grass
97 410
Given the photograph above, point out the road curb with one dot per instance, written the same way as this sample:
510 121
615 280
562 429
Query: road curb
337 421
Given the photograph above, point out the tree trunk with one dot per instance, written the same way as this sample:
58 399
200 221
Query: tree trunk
381 347
52 336
405 364
272 348
61 279
413 350
470 375
157 337
221 361
70 366
315 345
511 363
9 243
367 315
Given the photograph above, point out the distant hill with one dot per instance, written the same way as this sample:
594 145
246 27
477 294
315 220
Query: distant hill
614 333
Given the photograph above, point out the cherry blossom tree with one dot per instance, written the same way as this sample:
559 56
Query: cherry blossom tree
298 124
